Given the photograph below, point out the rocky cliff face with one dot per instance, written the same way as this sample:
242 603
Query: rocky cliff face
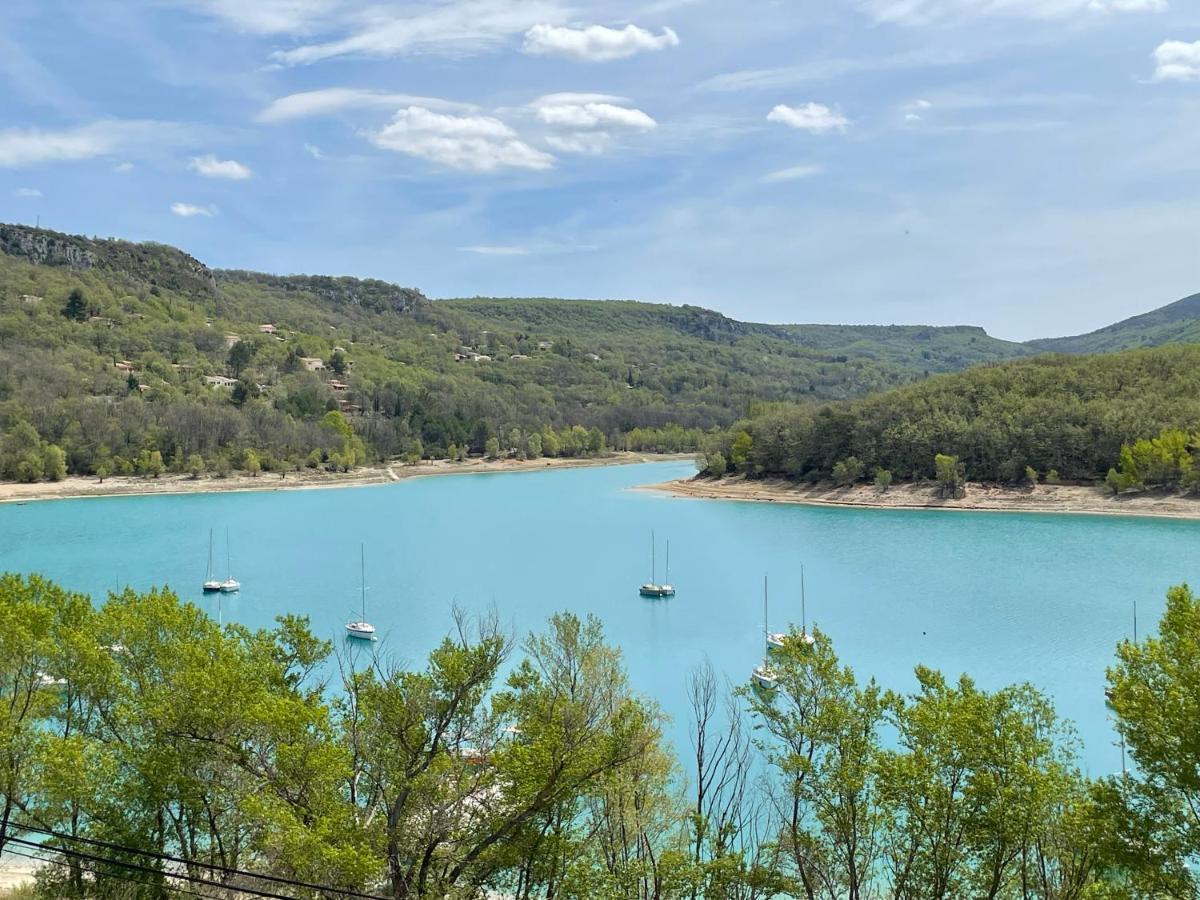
153 264
369 293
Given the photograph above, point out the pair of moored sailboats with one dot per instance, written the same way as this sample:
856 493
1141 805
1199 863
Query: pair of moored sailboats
212 584
764 675
652 588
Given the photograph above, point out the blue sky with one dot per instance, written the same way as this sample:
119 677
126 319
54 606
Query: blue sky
1032 166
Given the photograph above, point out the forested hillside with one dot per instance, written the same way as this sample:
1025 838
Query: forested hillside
1067 415
119 357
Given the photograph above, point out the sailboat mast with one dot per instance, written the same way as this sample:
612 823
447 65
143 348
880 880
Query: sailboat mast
1135 621
765 607
228 556
667 572
362 560
653 565
210 551
803 613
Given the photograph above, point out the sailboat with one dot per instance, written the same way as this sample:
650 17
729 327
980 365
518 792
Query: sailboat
211 582
362 628
764 676
230 585
653 588
777 639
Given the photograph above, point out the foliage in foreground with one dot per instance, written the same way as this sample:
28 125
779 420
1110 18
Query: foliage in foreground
143 723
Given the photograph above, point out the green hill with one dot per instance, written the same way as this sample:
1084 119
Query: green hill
1177 323
158 354
1066 413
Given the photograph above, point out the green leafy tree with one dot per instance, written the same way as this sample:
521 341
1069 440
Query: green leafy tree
714 464
195 465
76 306
239 357
848 471
54 463
883 479
950 476
251 463
739 450
533 445
492 448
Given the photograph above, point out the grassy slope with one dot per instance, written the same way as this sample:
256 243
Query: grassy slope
1177 323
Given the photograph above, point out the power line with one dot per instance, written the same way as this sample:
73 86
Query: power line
182 876
165 857
113 875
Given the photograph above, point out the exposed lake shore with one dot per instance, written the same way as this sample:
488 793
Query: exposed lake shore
75 487
1043 498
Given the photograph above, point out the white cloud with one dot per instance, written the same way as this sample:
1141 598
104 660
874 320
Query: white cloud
586 143
496 251
327 101
32 146
460 27
27 192
314 151
582 123
123 167
794 173
595 43
812 117
187 210
592 115
915 12
476 143
1177 61
211 167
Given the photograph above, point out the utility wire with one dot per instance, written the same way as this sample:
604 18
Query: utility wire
112 875
182 876
165 857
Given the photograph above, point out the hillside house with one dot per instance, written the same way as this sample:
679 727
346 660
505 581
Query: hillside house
220 381
266 329
313 363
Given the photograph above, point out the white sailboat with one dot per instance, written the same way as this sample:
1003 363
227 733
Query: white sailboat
777 639
230 585
211 582
652 588
362 629
763 675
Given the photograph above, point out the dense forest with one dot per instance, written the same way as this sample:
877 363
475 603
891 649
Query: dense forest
158 752
1065 417
118 357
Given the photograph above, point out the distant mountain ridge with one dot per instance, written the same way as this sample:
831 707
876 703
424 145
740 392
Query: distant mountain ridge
944 348
1176 323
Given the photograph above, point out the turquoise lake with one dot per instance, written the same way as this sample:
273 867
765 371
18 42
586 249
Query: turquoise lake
1004 597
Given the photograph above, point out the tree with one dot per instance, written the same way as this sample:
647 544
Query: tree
492 448
414 452
150 464
848 471
337 362
76 306
102 471
239 356
714 464
950 477
739 450
251 462
1155 694
22 454
452 452
533 445
883 479
54 463
1031 476
195 465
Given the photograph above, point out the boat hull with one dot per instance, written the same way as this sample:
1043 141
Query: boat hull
656 590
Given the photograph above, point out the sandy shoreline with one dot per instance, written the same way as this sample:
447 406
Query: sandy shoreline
1044 498
73 487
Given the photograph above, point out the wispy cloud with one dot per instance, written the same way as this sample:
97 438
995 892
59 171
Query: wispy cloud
474 143
188 210
794 173
314 151
265 16
595 43
829 69
484 250
466 26
20 147
582 123
815 118
123 167
28 192
211 167
918 12
327 101
1177 61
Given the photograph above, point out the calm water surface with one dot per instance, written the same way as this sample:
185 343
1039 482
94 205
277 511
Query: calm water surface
1005 597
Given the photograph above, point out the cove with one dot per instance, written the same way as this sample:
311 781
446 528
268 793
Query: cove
1004 597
